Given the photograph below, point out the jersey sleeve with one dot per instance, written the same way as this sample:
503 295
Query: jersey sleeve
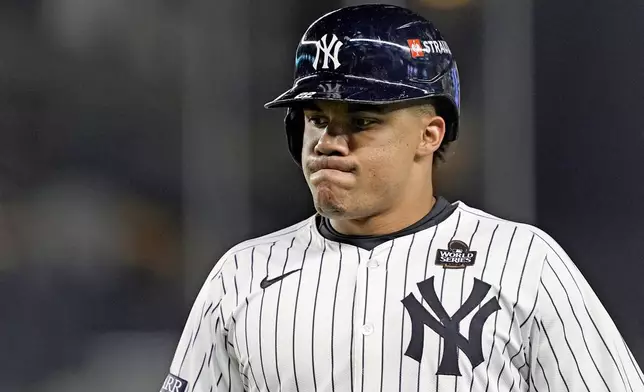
203 361
579 348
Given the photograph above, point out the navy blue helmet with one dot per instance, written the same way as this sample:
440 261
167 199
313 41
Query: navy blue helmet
371 54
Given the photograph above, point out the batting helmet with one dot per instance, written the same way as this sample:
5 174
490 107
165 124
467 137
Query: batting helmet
371 54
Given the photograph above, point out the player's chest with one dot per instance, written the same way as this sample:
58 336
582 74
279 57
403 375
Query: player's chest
344 318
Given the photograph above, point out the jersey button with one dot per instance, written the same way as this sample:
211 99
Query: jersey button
373 263
367 329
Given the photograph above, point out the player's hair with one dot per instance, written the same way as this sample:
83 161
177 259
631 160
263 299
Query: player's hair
430 107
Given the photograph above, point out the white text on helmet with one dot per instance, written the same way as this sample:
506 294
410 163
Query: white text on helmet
438 47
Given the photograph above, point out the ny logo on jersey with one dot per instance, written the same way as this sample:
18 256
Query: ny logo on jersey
449 327
330 50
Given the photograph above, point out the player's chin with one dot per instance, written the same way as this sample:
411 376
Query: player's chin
329 201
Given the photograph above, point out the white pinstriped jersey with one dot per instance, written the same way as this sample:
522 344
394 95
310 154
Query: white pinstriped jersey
334 317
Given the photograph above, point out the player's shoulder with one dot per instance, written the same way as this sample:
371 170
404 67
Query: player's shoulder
282 237
285 235
540 236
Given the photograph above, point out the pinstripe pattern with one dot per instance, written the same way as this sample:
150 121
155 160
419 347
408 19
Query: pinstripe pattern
422 301
364 321
478 222
629 381
496 315
440 341
572 352
277 311
352 333
299 283
252 373
384 305
554 354
335 301
338 322
260 323
543 372
487 256
317 291
404 291
596 328
578 323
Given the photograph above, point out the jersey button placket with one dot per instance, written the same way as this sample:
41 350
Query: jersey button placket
367 329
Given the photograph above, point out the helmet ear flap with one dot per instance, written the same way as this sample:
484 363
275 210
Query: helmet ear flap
294 125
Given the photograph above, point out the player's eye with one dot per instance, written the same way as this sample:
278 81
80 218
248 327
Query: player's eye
317 120
363 122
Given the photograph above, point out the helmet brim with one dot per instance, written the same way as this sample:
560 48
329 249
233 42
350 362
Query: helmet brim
347 89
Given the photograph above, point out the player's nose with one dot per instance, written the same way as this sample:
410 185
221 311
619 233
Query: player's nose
333 141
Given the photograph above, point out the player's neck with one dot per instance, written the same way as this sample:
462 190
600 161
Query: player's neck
400 216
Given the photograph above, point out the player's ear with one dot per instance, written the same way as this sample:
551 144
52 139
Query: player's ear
432 132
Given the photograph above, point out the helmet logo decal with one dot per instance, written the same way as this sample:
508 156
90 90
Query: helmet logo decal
332 90
305 95
330 50
416 48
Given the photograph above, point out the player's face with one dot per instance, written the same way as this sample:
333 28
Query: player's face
358 159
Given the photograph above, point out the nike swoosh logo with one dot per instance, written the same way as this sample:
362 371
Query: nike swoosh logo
268 282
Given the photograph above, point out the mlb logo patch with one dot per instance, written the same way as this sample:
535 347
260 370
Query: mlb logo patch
458 255
173 383
416 49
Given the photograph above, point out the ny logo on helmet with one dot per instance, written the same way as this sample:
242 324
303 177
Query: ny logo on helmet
330 50
332 90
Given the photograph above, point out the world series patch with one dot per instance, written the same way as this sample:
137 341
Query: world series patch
173 383
458 255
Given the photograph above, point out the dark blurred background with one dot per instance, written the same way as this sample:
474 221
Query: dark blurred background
135 150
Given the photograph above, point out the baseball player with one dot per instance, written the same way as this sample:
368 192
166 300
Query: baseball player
389 287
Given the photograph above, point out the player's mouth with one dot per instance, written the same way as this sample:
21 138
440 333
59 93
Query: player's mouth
331 169
330 163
